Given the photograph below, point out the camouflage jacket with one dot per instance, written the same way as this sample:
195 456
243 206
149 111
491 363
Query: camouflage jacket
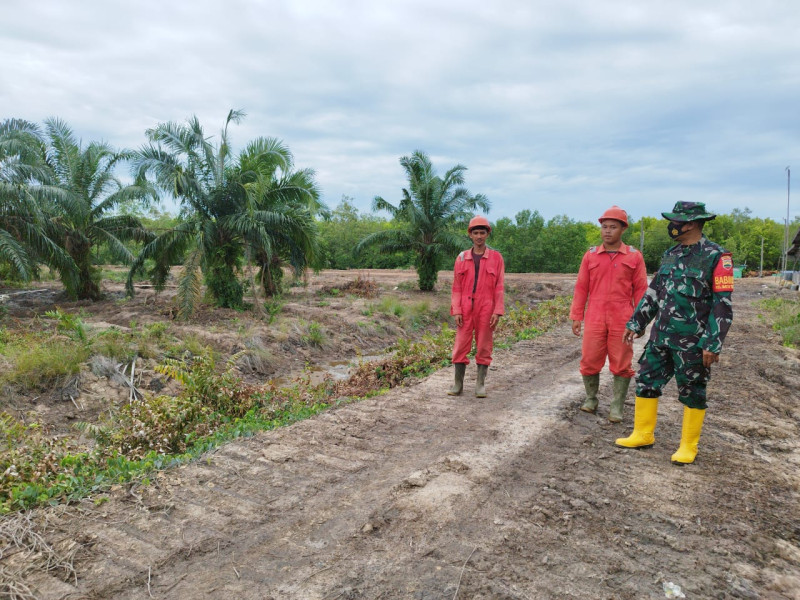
689 298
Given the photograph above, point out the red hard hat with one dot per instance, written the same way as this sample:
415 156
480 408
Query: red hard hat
616 213
479 222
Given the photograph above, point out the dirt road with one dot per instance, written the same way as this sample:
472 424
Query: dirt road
415 494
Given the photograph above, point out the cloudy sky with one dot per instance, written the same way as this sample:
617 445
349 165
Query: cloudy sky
560 106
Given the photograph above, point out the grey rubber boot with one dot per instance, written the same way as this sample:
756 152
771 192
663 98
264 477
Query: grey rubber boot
458 386
480 385
591 383
621 385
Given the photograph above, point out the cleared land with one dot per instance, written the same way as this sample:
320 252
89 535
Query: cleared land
415 494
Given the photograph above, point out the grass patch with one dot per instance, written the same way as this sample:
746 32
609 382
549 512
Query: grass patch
784 314
527 322
121 276
311 334
408 286
148 341
36 361
191 345
420 315
415 315
389 305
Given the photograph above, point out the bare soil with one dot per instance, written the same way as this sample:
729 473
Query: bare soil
417 494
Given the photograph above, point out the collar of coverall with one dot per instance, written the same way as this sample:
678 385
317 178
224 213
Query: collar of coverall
623 248
486 253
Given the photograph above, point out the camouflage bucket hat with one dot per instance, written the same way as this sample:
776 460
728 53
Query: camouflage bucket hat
684 212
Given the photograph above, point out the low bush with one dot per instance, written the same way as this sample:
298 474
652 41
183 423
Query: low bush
785 318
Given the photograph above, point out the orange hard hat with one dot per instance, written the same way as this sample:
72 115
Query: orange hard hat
479 222
616 213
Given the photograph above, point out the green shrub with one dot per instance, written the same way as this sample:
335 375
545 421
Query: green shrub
71 325
785 317
312 334
273 307
29 458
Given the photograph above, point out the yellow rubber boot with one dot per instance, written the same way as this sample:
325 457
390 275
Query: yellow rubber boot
690 435
644 424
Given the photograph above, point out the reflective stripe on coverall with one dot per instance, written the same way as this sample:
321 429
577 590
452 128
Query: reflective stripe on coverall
476 309
614 284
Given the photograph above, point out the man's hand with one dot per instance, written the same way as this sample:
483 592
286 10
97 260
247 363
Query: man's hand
494 320
709 358
576 327
459 320
628 336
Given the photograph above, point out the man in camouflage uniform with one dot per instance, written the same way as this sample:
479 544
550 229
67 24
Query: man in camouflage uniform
690 300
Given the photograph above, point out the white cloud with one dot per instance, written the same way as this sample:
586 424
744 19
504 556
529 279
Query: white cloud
559 107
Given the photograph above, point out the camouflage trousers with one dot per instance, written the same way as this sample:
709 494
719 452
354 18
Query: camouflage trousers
658 364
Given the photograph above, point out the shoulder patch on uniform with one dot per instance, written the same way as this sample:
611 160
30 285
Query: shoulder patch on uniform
632 249
723 273
593 249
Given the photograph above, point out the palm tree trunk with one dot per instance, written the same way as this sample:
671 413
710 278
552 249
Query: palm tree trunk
427 273
87 287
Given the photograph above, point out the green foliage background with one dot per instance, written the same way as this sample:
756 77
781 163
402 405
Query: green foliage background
346 227
530 244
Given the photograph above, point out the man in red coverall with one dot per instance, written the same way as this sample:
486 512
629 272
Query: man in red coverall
614 279
477 302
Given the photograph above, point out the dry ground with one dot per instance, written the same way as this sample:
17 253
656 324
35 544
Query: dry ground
415 494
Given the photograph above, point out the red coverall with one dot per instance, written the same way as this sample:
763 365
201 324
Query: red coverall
476 309
614 284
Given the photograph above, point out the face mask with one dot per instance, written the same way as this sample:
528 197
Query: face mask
676 228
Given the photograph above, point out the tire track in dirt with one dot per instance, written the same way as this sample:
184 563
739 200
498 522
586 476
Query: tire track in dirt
268 511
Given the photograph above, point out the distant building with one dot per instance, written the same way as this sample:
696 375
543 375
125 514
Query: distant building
794 248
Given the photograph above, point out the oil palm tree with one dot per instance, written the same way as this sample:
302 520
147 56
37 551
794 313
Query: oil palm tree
22 240
428 215
283 202
69 194
233 208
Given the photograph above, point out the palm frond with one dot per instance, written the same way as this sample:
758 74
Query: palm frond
379 203
16 256
394 238
117 249
266 156
64 154
165 250
127 193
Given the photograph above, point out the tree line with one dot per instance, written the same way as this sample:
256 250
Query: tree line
531 244
64 205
